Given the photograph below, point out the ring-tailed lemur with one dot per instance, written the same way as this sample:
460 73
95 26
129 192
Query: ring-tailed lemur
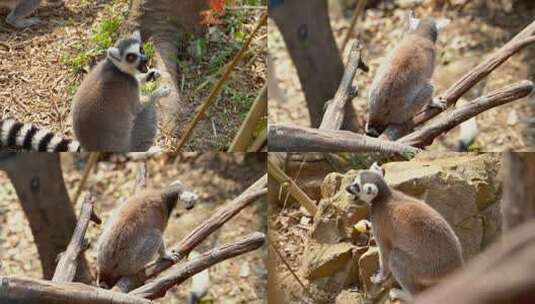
132 236
109 114
402 84
21 9
416 244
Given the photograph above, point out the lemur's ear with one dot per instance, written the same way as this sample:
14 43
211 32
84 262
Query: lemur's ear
136 35
114 53
413 22
376 168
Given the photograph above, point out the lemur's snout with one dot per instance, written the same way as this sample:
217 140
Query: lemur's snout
353 189
142 66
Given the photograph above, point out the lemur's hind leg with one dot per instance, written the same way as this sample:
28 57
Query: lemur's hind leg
145 129
17 17
146 122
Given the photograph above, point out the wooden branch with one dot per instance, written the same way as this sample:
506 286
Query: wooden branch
465 83
219 85
518 204
285 138
179 273
280 176
470 79
334 114
425 136
243 138
26 290
502 274
68 263
200 233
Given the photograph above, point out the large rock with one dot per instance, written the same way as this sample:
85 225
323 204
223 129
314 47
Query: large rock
464 188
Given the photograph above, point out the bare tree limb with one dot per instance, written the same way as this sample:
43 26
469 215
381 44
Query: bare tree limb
334 114
465 83
25 290
200 233
470 79
68 263
286 138
425 136
179 273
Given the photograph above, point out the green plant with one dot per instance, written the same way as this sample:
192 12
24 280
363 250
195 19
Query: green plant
104 34
149 49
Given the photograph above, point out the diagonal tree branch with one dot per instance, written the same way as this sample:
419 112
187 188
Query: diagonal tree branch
66 268
179 273
425 136
287 138
334 114
465 83
194 238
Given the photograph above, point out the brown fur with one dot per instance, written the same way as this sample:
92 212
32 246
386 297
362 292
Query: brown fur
416 244
133 234
401 86
105 107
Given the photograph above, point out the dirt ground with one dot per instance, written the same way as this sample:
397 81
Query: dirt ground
216 178
476 30
37 81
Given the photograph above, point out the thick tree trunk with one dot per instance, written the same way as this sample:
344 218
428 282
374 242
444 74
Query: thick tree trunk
39 184
167 23
307 33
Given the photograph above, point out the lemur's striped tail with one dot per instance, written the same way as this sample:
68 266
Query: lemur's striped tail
25 136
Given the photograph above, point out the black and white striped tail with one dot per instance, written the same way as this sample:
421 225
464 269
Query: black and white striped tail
17 135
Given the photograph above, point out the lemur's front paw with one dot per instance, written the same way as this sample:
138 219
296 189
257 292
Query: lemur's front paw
153 74
439 103
378 278
172 256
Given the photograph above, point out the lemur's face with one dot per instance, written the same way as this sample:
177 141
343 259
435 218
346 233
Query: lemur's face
127 55
364 188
